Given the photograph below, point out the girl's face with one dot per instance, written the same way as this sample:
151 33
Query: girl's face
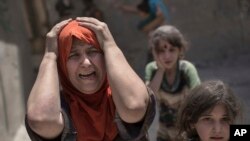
86 67
168 54
214 125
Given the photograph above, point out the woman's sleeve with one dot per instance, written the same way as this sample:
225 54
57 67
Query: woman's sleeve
139 130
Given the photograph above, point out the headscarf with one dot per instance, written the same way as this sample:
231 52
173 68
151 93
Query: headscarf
92 114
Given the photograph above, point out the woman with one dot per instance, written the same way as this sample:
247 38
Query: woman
169 76
208 111
101 97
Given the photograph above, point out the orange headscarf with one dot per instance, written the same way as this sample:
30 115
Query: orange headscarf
92 114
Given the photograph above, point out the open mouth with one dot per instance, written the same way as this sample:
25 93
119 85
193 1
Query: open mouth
87 76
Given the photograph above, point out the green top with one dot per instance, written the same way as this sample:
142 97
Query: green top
186 76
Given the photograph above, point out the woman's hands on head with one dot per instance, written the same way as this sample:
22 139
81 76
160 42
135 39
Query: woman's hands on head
129 92
44 106
52 36
101 30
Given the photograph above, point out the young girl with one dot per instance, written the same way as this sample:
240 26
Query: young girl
207 112
169 76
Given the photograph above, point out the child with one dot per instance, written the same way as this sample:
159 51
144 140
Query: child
207 112
153 13
169 76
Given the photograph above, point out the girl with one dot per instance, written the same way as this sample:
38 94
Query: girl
153 13
169 76
207 112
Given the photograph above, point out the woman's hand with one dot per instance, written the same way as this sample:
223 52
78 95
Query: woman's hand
129 92
52 36
101 30
44 106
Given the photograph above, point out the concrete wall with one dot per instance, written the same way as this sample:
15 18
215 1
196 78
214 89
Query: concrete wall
15 67
215 29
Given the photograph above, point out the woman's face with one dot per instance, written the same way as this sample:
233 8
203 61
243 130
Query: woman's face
168 54
214 125
86 67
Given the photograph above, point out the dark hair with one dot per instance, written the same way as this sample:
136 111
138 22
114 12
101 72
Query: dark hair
144 6
203 98
168 33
